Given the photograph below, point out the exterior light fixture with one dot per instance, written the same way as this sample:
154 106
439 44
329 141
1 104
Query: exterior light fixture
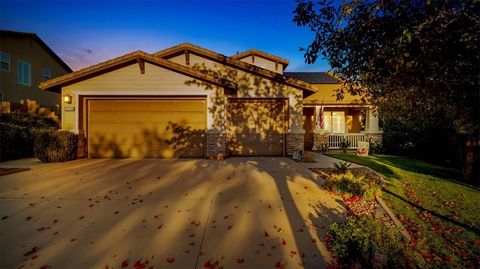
67 98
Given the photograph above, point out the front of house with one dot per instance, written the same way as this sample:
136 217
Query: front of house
328 121
187 101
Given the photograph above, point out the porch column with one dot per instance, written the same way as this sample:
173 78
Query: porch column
316 114
319 134
372 122
372 131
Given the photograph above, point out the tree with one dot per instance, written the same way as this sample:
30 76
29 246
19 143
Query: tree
417 61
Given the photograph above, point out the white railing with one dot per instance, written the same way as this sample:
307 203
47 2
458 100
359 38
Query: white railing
334 140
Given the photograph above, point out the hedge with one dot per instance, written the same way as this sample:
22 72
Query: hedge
56 146
18 132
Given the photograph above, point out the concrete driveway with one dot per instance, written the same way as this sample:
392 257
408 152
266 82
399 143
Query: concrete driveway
166 213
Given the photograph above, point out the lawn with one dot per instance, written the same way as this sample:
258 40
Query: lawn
440 213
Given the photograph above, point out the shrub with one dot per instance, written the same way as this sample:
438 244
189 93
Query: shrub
375 147
28 120
356 241
341 167
344 145
56 146
351 185
18 132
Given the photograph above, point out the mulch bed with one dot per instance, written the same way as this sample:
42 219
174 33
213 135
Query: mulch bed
8 171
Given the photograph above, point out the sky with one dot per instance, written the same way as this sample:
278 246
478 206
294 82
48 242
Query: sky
86 32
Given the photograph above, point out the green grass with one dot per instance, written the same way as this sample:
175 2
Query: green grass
440 212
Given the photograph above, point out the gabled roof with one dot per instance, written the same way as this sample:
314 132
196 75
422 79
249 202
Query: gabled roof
313 77
125 60
35 37
265 55
229 61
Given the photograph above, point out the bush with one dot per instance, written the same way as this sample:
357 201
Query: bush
356 241
28 120
350 185
341 167
56 146
375 147
344 145
18 132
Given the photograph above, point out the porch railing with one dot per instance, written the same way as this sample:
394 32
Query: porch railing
334 140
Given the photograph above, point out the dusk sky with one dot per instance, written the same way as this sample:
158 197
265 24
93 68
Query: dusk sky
86 32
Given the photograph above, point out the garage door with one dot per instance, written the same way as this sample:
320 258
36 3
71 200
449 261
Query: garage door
256 127
146 128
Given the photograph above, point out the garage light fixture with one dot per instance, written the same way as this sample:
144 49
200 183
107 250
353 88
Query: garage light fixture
67 98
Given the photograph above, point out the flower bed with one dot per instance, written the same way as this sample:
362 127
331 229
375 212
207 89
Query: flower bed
358 205
379 234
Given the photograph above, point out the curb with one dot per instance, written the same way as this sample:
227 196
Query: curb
393 217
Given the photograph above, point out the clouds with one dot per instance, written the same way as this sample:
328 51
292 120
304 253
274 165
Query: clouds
78 58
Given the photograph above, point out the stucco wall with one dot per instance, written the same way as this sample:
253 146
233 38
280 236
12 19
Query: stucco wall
326 94
27 49
160 81
250 86
263 63
129 81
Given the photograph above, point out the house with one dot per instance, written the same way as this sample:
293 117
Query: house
26 61
185 101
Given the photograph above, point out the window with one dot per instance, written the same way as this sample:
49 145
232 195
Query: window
46 74
24 73
5 61
334 121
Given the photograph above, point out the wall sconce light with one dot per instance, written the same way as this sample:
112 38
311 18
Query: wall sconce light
67 98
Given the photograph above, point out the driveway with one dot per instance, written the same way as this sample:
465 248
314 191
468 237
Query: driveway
166 213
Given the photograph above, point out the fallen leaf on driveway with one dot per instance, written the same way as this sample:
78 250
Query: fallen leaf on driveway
125 263
34 249
170 259
240 260
279 265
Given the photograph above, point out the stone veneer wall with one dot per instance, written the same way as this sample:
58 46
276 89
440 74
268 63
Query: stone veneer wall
82 145
295 142
216 145
320 141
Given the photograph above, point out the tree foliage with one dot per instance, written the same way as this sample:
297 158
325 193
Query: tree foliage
418 61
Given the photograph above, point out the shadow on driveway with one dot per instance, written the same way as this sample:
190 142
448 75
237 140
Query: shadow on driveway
168 213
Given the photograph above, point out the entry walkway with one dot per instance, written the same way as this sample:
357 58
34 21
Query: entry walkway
322 161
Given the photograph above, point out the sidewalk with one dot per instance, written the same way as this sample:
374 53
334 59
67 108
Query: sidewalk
22 163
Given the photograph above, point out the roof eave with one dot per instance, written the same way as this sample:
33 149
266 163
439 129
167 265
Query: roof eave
290 81
57 83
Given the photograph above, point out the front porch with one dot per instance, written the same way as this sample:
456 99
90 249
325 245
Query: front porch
327 126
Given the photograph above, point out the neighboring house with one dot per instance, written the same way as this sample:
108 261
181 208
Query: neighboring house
328 121
185 101
26 61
